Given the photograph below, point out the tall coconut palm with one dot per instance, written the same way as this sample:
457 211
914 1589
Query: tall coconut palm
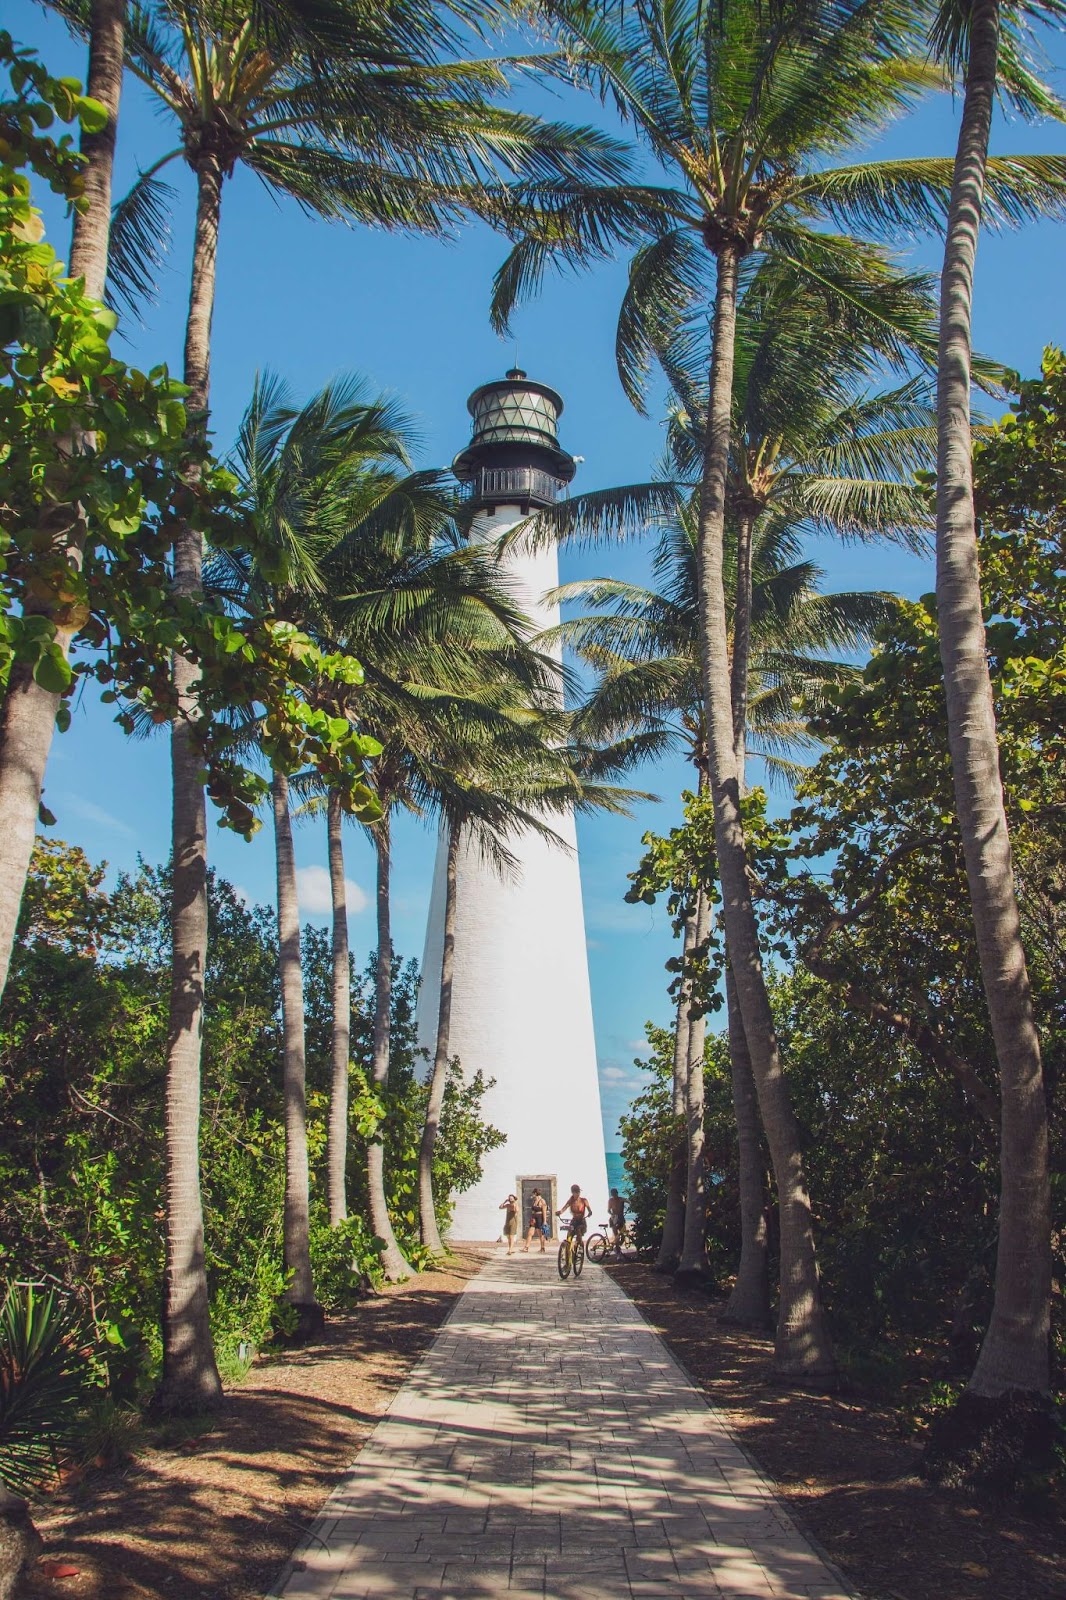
741 104
1014 1353
307 476
643 644
498 777
433 623
834 457
377 128
691 1265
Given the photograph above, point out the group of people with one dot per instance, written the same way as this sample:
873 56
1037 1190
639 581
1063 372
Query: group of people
579 1208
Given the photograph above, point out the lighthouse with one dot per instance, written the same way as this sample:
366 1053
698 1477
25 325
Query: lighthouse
521 1004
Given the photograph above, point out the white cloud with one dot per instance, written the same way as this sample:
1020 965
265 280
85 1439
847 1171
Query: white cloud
312 888
88 811
615 1075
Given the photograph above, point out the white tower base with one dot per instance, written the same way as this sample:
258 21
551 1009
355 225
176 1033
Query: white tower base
521 1003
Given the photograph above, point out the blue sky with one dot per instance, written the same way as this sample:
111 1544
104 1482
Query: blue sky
309 300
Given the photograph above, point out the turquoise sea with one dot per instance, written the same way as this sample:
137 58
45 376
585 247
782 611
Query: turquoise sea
616 1172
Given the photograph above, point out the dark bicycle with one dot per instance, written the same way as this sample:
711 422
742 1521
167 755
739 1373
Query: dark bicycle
606 1240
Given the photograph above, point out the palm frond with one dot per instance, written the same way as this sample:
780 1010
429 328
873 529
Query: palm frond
140 239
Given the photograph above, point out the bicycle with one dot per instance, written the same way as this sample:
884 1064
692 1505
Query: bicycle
571 1254
606 1239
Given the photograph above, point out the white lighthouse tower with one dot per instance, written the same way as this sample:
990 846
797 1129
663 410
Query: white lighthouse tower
521 1006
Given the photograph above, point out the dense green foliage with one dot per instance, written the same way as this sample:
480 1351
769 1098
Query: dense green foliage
862 892
81 1097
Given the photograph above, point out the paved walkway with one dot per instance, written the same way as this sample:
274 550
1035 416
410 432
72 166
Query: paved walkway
548 1445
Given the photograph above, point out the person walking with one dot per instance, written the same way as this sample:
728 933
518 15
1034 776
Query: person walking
510 1221
538 1214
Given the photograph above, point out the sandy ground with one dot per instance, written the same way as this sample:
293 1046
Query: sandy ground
212 1511
849 1476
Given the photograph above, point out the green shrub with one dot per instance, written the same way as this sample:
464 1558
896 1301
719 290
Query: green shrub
44 1382
343 1259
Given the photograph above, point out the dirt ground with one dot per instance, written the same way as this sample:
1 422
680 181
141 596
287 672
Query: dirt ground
213 1512
849 1476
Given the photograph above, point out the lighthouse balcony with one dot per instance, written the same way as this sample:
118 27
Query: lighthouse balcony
518 486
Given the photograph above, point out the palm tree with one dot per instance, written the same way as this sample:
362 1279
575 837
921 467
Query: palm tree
645 651
307 475
337 1127
740 102
835 457
1014 1353
502 774
691 1266
436 629
374 127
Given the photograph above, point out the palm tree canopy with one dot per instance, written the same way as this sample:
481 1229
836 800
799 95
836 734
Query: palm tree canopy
742 106
642 643
358 112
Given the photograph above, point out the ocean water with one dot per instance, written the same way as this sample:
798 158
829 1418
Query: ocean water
616 1172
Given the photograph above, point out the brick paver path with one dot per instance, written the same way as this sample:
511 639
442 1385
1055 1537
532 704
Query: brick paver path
549 1445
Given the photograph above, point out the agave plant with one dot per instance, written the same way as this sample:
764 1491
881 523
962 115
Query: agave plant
44 1380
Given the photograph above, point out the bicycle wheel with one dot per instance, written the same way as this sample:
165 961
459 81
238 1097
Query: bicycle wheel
564 1259
579 1256
596 1248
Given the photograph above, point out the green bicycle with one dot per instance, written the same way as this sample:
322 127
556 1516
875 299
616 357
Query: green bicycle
571 1254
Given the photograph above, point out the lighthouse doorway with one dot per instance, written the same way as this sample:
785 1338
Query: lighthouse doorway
547 1184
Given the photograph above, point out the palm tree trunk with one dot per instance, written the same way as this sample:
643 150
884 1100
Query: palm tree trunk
693 1252
427 1207
28 715
749 1303
190 1378
803 1348
394 1264
738 672
1014 1355
92 227
301 1288
674 1223
337 1135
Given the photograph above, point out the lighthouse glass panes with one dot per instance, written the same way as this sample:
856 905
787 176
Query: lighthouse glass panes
514 416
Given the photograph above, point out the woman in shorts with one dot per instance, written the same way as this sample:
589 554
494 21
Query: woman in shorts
538 1215
510 1222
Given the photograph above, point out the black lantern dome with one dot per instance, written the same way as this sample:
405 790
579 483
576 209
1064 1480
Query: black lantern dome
514 456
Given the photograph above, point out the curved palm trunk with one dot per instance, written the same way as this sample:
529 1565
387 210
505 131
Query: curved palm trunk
393 1260
749 1303
803 1348
1014 1354
674 1224
28 714
337 1135
301 1289
190 1377
693 1251
427 1207
738 672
